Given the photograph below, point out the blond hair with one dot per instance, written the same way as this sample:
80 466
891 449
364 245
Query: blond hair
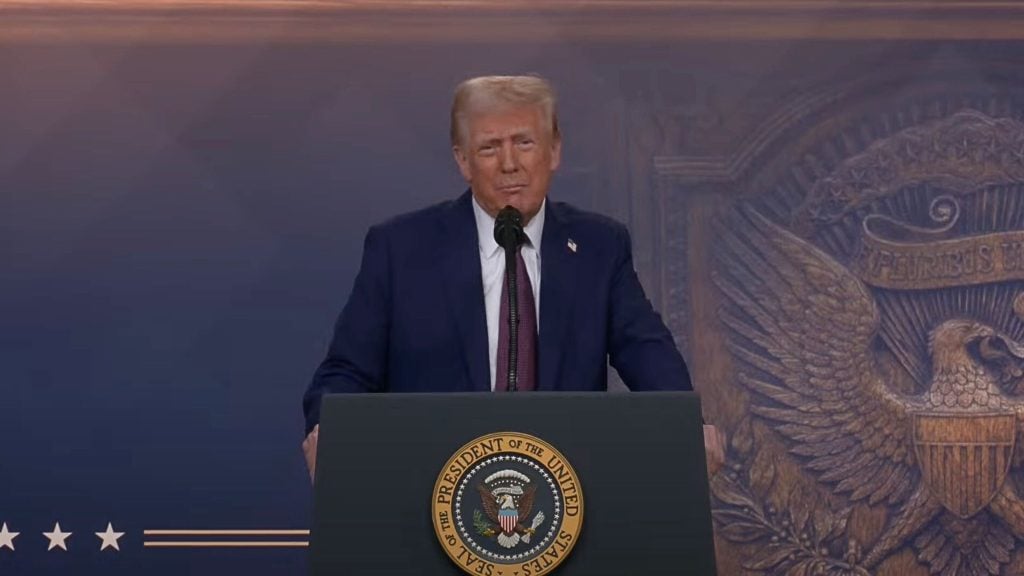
489 93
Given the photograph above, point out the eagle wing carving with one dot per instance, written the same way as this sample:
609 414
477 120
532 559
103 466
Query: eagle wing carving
489 504
802 329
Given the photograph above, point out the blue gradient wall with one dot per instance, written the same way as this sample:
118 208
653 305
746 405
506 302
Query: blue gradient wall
179 226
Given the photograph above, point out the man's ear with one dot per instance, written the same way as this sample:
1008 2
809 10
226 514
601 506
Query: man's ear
463 162
556 154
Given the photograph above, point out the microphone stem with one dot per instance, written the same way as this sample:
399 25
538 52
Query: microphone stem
513 318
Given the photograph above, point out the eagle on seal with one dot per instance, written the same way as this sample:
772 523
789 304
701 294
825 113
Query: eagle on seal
804 333
507 497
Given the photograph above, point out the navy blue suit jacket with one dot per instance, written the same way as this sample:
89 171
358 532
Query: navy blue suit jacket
415 320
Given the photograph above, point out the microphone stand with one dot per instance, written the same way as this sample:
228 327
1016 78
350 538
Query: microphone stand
508 232
511 276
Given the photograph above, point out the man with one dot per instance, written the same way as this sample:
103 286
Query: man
428 311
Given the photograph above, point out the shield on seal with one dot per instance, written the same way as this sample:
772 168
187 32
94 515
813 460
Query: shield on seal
964 457
509 519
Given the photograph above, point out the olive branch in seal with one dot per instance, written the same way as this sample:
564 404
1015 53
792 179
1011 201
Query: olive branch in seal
807 538
482 526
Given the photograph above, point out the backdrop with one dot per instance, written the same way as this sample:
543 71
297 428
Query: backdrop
815 190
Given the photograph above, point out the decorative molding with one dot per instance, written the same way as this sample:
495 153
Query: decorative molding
213 538
730 168
727 172
402 21
963 153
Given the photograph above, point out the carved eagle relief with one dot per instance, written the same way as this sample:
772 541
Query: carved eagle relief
803 331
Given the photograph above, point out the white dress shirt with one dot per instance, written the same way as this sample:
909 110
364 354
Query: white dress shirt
492 268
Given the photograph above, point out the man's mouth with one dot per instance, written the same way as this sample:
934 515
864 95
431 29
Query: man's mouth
511 189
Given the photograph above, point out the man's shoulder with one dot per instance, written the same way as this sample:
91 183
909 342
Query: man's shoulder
582 221
419 221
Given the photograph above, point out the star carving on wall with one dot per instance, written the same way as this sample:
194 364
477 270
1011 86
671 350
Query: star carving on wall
7 537
109 538
58 538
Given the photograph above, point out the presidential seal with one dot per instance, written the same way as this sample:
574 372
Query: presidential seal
507 504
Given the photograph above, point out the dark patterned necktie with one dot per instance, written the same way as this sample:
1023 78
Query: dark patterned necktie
527 364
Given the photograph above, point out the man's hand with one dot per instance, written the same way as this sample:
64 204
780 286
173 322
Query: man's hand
714 447
309 449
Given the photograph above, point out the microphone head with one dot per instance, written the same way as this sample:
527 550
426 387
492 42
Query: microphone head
508 228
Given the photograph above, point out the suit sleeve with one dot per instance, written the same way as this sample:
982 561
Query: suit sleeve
357 358
640 346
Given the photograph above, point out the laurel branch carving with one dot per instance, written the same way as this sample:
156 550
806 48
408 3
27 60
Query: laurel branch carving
798 540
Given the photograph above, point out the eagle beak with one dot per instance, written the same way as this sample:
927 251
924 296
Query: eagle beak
1008 354
999 347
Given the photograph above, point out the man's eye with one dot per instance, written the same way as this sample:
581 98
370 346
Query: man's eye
486 150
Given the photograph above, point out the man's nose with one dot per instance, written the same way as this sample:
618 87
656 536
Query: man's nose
509 159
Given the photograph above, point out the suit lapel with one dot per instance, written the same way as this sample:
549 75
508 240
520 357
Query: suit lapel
557 287
464 288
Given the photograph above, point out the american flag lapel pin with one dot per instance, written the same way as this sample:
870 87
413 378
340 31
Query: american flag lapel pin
572 245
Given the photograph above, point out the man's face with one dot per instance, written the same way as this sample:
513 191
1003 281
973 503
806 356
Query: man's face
508 158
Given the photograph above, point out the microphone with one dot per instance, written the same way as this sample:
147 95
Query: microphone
509 234
508 229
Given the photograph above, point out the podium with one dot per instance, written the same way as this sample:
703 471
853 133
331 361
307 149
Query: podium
527 484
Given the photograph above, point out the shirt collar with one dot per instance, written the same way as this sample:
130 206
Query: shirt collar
485 229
